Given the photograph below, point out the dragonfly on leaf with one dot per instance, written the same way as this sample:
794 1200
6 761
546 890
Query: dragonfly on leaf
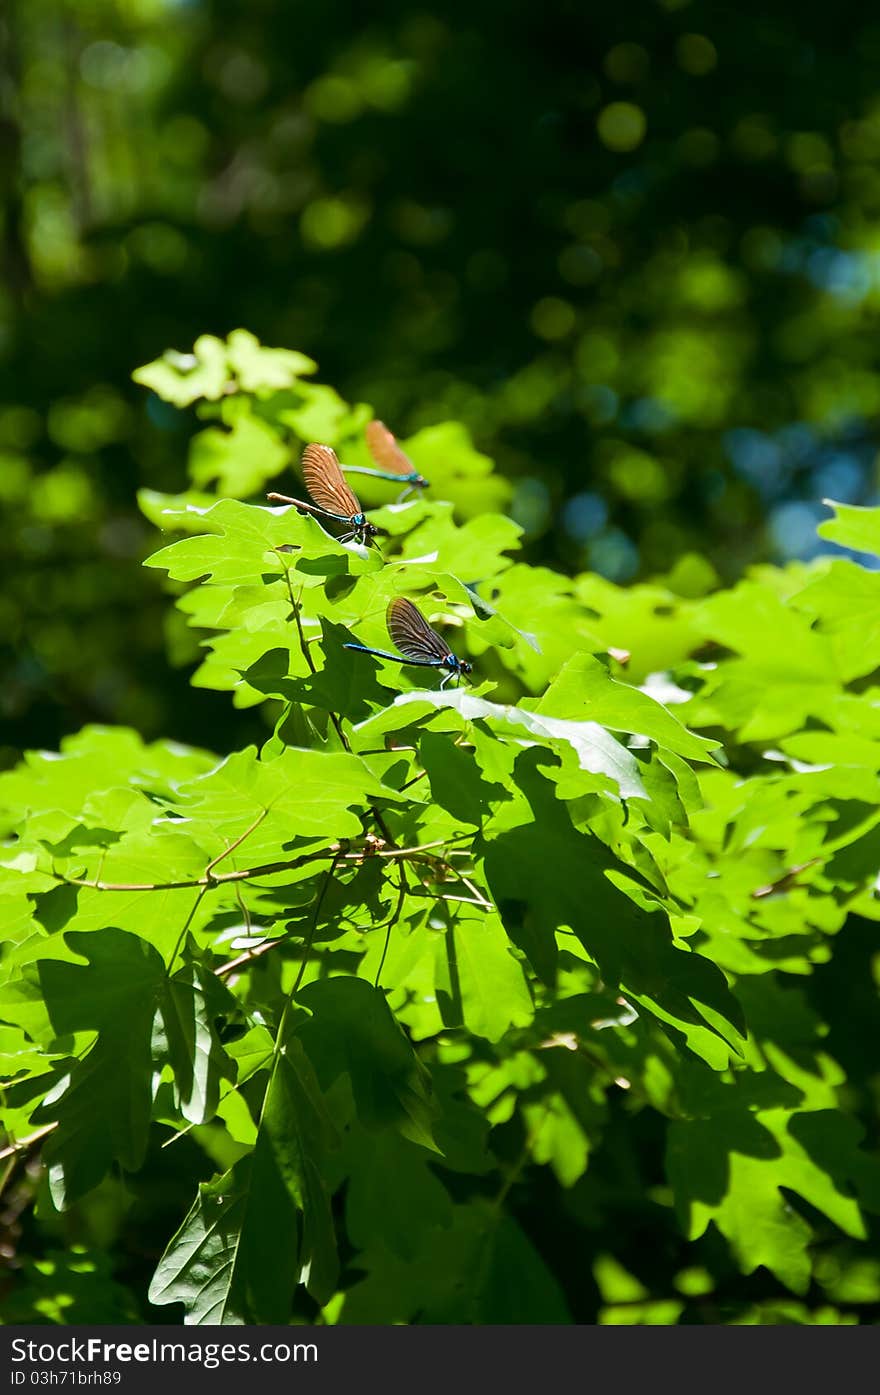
333 496
417 642
392 462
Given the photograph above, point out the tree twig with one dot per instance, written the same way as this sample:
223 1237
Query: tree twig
307 945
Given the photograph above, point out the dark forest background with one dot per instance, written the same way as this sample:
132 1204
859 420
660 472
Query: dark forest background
636 248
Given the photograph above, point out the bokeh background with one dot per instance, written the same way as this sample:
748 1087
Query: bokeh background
635 247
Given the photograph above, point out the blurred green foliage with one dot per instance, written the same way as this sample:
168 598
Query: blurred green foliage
635 250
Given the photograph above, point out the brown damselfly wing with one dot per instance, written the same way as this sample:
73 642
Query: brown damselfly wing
387 454
326 482
412 634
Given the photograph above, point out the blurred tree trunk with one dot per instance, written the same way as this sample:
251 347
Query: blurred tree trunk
75 137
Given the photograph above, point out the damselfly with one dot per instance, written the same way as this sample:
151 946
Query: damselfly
392 463
332 495
417 642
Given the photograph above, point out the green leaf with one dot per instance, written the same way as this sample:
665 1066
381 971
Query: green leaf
420 1204
544 877
239 461
183 513
846 603
478 980
309 793
852 526
446 456
564 1119
190 1004
102 1103
264 370
456 782
351 1031
183 378
731 1168
238 546
656 628
594 748
56 792
215 367
585 688
786 670
318 413
481 1270
251 1233
472 552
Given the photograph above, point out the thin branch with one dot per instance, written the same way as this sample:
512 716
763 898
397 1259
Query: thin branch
462 900
242 874
419 848
24 1144
186 924
295 604
265 869
249 955
242 906
238 842
401 893
384 750
516 1169
415 779
307 946
786 881
7 1173
465 881
236 1089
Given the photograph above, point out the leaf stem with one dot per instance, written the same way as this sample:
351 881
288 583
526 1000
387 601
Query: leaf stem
186 924
307 946
401 892
238 842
